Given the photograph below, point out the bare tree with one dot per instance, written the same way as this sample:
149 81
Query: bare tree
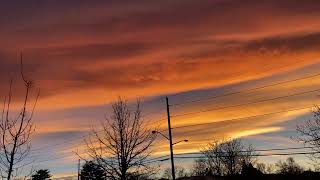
309 134
180 173
200 167
213 153
231 157
123 145
262 167
289 167
227 157
16 131
270 169
266 168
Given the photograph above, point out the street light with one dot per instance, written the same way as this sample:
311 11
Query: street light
186 140
171 149
158 132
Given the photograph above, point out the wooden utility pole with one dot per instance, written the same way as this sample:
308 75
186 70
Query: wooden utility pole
170 140
79 169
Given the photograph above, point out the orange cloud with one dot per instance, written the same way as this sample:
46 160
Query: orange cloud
84 54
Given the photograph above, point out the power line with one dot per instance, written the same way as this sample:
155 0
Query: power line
85 136
247 117
263 100
45 153
166 157
69 156
249 103
284 149
155 111
37 162
255 155
152 113
241 91
52 159
68 141
154 100
256 150
214 122
198 153
58 144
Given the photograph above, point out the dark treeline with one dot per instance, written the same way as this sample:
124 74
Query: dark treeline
233 160
228 159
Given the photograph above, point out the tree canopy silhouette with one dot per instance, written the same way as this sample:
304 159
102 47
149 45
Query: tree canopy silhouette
180 173
226 157
289 167
92 171
41 174
123 145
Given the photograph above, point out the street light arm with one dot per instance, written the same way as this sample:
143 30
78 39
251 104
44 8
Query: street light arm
180 142
158 132
154 132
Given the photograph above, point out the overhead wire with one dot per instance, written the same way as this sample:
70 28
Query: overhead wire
245 90
213 109
247 117
249 103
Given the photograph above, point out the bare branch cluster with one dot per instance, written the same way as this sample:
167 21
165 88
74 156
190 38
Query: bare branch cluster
309 134
288 167
226 157
123 145
15 131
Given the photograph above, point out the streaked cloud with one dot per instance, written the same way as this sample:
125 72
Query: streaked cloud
83 55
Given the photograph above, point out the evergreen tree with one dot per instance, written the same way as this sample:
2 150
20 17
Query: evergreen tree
92 171
41 174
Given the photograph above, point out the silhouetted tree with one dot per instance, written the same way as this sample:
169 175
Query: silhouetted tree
41 174
123 146
289 167
213 152
309 134
92 171
16 131
262 167
200 168
179 172
249 170
227 157
146 175
266 168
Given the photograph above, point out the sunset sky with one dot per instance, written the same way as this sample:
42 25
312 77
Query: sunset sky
84 54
